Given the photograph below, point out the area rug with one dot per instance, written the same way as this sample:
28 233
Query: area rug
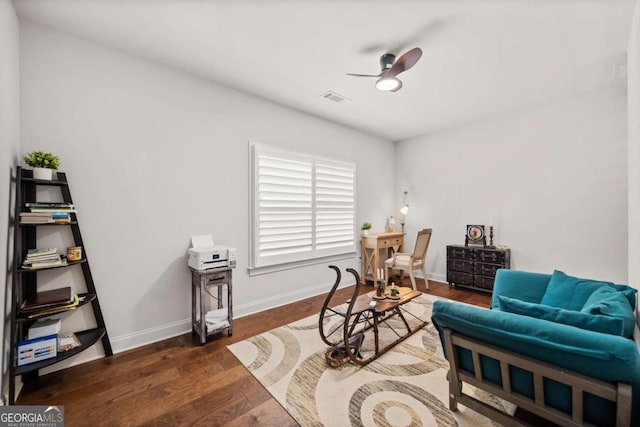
406 386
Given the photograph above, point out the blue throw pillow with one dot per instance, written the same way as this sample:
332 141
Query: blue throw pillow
569 292
592 322
609 302
628 292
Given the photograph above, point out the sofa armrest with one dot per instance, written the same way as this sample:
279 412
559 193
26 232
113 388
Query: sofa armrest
522 285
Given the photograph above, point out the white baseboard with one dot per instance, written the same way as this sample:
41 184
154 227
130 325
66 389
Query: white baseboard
435 277
282 299
151 335
438 278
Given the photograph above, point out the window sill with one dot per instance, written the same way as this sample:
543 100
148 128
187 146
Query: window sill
257 271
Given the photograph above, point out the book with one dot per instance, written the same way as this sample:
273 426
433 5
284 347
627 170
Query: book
44 299
58 261
40 210
42 259
59 215
45 217
41 252
49 205
55 309
49 264
35 218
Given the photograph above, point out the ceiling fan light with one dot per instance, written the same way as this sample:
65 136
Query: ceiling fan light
391 84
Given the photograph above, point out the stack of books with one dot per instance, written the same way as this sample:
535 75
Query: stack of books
43 258
50 302
47 212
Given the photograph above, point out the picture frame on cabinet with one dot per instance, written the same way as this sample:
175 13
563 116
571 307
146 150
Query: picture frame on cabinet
475 235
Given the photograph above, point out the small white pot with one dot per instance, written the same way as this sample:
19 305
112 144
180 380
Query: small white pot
365 232
43 173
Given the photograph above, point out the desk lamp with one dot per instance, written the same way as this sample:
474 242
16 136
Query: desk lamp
404 210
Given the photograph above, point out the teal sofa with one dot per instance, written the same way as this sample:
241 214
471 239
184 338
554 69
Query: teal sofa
558 346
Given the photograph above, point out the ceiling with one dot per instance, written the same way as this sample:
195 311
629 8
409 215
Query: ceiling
481 58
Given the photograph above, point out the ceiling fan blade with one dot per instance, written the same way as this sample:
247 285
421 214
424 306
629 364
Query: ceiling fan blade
406 61
364 75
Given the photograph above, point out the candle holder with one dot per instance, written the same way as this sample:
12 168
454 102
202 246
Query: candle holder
394 293
382 286
491 245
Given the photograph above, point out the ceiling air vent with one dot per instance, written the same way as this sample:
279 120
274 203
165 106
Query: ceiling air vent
335 97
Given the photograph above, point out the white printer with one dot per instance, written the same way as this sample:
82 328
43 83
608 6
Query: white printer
204 254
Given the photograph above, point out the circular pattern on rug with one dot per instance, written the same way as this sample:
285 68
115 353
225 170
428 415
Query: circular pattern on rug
265 353
435 407
304 324
401 414
427 360
264 348
301 391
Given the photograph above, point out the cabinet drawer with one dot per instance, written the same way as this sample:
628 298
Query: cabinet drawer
459 278
389 243
460 265
489 256
214 278
459 253
483 282
486 269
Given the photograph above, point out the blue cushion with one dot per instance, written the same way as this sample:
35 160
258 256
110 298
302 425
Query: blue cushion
609 302
628 292
583 320
523 285
569 292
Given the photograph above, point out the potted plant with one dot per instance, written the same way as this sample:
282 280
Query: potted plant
43 164
366 226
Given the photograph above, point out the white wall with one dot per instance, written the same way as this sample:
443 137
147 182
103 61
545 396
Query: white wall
155 156
633 77
9 149
633 81
553 179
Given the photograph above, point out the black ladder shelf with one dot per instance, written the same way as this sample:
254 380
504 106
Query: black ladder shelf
25 281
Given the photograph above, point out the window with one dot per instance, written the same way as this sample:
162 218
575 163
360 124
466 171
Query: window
302 207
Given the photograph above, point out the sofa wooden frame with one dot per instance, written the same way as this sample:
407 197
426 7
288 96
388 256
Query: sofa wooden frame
619 393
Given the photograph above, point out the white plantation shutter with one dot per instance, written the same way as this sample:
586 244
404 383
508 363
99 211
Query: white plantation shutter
335 206
302 207
285 207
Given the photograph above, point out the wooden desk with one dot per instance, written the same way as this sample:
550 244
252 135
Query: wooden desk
376 248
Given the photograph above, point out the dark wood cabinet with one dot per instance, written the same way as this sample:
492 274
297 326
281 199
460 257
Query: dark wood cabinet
475 266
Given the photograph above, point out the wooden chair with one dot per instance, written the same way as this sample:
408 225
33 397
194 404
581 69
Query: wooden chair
412 261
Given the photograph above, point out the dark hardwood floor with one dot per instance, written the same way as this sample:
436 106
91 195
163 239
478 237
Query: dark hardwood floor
178 382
